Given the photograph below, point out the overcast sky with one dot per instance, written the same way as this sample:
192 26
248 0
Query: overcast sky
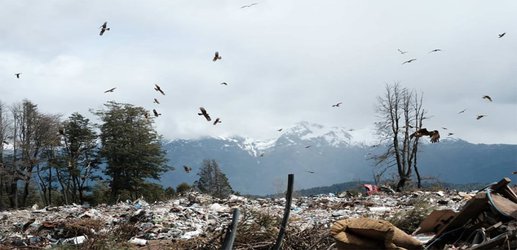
285 61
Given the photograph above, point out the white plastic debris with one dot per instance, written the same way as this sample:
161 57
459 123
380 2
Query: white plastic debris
75 240
138 241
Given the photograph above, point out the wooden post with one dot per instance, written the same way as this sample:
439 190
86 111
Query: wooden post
288 199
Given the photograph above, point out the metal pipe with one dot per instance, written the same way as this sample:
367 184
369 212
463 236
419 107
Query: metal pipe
229 238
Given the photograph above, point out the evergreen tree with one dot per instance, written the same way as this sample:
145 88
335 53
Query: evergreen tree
131 148
212 180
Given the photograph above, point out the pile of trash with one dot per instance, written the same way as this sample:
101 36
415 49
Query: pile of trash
198 221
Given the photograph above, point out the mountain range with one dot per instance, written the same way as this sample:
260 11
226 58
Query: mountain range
322 156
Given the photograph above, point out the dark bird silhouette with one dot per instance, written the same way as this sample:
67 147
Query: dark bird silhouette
156 113
279 130
450 134
204 113
462 111
444 128
187 168
487 97
308 171
261 155
435 50
402 52
18 75
28 224
337 104
480 116
110 90
217 57
249 5
217 120
435 135
308 146
146 115
224 83
104 28
502 34
409 61
156 101
157 88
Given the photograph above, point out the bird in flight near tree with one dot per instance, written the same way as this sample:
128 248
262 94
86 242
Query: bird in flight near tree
104 28
204 113
435 135
156 113
157 88
110 90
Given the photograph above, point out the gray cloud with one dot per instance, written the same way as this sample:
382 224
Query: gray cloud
284 61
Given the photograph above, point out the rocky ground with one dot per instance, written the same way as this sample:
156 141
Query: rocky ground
197 221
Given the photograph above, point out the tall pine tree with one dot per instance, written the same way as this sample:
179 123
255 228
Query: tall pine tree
212 180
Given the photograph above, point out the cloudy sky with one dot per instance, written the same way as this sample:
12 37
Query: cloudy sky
284 61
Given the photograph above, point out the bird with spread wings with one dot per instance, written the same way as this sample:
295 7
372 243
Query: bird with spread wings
435 135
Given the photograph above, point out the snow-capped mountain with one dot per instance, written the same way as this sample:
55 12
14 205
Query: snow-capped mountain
320 156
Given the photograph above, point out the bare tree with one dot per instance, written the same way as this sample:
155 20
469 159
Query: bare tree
400 112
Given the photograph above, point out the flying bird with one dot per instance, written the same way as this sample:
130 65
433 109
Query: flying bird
487 97
261 155
337 104
435 135
410 60
435 50
217 120
156 101
501 35
249 5
224 83
204 113
110 90
308 146
104 28
156 113
187 168
217 57
157 88
308 171
480 116
279 130
450 134
462 111
444 128
18 75
402 52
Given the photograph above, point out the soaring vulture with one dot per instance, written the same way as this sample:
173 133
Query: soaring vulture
337 104
156 101
410 60
204 113
157 88
110 90
435 135
217 57
487 97
104 28
502 34
156 113
217 120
